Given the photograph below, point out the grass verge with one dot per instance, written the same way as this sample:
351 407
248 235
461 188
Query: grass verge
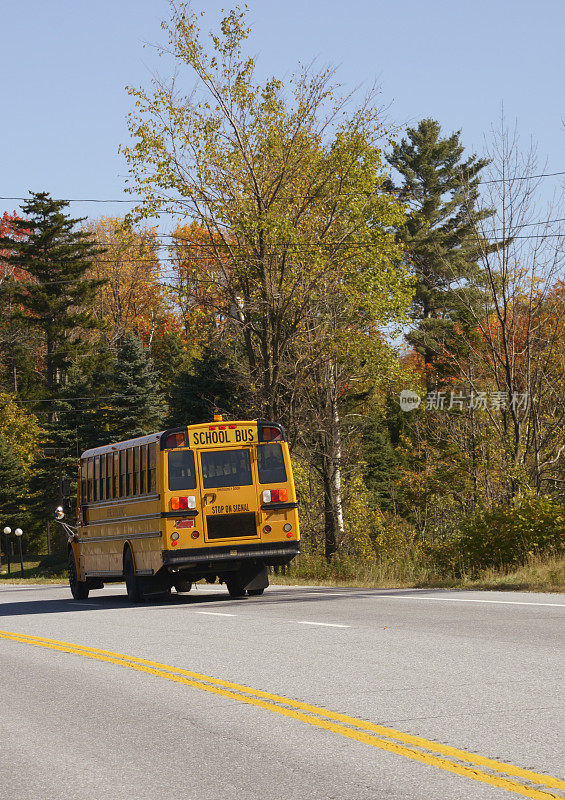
537 575
44 569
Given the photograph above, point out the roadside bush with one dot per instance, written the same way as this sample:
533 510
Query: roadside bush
508 536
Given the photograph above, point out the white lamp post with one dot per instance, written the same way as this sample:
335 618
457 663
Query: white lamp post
19 533
7 532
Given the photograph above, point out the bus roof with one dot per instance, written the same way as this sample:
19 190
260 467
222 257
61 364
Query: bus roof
109 448
156 437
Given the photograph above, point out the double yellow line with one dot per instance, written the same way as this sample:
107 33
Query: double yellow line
451 759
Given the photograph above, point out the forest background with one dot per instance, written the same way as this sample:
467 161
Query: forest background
324 269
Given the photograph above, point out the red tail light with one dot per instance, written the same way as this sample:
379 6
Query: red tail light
183 503
275 495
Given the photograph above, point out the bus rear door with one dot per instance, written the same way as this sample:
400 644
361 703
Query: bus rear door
229 495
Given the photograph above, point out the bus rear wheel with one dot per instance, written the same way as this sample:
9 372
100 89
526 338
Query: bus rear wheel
133 584
182 586
235 587
79 589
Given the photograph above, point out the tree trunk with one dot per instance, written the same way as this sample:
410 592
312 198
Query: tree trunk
334 464
330 544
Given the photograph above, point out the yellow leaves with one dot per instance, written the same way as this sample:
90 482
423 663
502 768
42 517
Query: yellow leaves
21 429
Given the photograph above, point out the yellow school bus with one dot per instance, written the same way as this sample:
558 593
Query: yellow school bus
214 501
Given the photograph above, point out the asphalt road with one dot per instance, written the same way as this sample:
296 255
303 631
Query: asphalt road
478 671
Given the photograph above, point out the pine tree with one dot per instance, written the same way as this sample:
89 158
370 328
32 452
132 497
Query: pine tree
382 463
441 190
209 385
137 405
56 296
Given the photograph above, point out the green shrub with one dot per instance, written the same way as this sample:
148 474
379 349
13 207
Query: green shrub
507 536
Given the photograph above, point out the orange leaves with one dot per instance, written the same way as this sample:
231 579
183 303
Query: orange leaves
8 229
132 297
202 270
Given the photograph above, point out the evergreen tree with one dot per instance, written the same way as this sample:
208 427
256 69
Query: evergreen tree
56 297
209 385
382 462
441 190
137 405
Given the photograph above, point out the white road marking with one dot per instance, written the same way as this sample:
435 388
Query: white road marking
465 600
325 624
215 613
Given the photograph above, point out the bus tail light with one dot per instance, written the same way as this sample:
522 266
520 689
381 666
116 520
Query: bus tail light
195 534
183 503
275 495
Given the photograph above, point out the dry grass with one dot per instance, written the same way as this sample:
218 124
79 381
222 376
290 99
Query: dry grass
541 574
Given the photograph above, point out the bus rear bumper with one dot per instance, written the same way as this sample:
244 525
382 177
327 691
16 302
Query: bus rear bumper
231 557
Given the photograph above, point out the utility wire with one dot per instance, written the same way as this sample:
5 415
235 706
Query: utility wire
281 197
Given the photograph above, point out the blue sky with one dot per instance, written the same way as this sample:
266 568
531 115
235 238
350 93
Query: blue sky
65 65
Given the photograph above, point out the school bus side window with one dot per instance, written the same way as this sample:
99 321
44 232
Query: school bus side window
128 471
83 496
135 471
96 478
108 476
116 477
143 469
152 467
122 473
102 495
90 476
182 474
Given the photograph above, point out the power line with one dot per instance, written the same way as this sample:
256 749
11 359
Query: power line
190 242
314 245
296 197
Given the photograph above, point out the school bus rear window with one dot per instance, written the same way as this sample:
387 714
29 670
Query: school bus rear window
271 464
181 470
226 468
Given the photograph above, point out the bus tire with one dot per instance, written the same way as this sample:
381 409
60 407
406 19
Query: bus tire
182 586
235 587
133 584
255 592
79 589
